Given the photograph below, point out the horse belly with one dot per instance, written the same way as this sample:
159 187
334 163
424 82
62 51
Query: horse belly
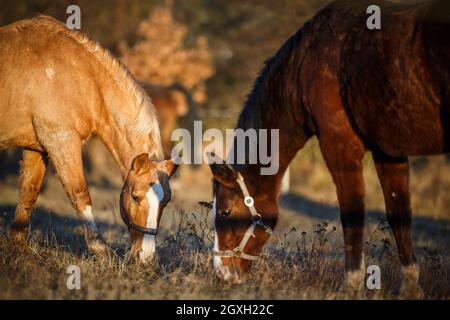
401 116
400 134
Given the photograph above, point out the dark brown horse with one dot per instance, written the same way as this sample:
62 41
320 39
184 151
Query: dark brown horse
386 91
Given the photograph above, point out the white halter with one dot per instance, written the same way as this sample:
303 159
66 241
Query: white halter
238 252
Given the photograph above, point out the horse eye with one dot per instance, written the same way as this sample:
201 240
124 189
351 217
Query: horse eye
225 213
136 198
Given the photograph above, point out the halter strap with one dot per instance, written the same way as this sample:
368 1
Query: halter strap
143 230
238 252
247 199
138 228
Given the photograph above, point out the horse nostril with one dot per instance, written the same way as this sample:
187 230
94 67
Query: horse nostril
227 274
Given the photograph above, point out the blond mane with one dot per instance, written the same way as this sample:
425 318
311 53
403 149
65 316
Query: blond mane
146 120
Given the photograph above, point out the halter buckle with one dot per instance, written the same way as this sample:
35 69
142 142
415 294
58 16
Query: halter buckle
257 218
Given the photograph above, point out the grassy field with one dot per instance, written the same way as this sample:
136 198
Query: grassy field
303 260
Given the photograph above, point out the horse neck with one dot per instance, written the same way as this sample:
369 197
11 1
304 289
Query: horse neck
127 130
270 185
275 102
292 137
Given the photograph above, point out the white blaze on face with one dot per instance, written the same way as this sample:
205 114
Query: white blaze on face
154 197
223 271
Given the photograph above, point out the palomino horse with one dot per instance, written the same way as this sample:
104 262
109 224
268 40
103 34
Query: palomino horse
57 88
357 90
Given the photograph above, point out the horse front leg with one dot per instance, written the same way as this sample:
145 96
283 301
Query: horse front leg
344 161
32 171
394 179
67 158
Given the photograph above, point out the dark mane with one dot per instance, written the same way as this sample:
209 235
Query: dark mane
276 90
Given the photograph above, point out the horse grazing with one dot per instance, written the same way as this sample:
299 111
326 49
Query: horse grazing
57 88
386 91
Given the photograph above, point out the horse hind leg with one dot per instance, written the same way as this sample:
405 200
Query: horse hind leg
394 178
32 171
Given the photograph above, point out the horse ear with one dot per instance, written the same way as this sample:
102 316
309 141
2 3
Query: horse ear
170 166
141 164
224 174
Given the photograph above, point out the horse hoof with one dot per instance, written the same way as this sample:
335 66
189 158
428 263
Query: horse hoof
100 249
410 288
411 292
354 284
353 293
19 236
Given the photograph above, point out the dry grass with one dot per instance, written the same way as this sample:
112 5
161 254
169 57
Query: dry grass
303 260
299 265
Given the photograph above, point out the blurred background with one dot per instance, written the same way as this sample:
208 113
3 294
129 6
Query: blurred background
197 60
221 43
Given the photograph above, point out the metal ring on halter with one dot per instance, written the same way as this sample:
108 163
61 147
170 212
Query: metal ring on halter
258 219
249 202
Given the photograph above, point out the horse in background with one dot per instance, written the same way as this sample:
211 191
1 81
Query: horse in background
385 91
171 103
57 89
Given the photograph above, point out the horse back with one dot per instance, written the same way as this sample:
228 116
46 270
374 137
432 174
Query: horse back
395 82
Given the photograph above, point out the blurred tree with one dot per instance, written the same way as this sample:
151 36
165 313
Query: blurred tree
107 21
160 55
241 35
